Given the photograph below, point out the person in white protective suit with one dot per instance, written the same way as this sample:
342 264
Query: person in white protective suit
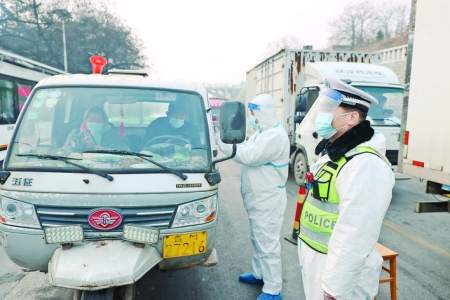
348 196
265 163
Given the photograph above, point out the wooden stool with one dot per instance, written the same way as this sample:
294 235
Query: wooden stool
391 256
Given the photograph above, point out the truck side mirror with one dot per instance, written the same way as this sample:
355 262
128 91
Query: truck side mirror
232 122
300 103
232 131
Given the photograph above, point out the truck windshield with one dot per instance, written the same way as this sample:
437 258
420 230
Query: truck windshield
99 126
389 108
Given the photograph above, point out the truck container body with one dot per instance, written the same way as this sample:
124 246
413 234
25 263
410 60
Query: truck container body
426 149
295 77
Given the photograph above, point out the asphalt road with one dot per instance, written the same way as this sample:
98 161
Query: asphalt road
421 240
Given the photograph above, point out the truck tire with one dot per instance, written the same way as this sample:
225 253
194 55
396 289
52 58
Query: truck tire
300 168
106 294
125 292
77 295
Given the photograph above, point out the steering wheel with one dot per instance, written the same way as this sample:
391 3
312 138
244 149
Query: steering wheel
166 138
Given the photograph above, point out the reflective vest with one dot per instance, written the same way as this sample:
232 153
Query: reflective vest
320 211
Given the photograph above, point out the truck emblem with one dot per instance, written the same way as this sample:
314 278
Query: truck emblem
105 219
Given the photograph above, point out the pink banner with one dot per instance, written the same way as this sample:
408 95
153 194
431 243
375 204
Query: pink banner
24 91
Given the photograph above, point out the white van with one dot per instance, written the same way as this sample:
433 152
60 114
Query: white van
97 204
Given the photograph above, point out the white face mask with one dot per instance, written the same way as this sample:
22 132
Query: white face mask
95 127
176 123
324 127
252 122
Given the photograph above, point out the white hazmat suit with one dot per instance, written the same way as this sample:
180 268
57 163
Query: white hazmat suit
265 163
352 267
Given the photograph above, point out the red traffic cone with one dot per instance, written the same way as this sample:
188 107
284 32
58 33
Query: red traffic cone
300 199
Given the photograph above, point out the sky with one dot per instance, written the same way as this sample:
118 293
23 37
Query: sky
213 41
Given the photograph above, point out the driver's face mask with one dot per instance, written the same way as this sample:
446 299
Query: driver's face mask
95 127
176 123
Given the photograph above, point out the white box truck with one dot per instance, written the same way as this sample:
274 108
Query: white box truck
295 77
425 132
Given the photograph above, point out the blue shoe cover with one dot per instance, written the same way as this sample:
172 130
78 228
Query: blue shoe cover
250 278
265 296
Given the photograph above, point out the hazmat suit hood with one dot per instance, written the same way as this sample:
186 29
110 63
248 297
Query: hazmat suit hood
266 114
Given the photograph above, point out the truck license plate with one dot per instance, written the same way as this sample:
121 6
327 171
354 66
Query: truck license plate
185 244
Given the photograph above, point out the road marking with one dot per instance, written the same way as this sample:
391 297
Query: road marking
416 239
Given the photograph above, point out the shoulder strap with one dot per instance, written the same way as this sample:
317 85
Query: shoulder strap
365 149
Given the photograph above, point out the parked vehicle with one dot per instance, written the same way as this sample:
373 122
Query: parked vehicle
18 75
426 152
295 77
99 218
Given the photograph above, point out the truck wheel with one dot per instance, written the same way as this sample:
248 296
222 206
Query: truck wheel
125 292
77 295
106 294
300 168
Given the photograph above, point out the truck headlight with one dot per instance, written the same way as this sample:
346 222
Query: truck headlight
17 213
196 212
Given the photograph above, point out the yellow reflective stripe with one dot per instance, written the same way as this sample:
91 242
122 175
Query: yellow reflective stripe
363 149
325 206
315 236
314 245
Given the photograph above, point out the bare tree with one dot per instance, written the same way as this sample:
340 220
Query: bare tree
364 22
32 29
402 17
287 41
103 33
386 17
357 25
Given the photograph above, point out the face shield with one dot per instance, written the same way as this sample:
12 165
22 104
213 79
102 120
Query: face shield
253 106
327 102
252 118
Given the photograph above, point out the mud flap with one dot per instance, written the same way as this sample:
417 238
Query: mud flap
101 264
212 259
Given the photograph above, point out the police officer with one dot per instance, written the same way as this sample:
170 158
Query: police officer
347 199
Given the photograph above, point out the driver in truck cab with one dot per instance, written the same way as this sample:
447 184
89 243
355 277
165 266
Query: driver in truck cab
174 124
95 133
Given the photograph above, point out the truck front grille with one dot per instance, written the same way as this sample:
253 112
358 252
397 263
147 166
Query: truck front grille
149 216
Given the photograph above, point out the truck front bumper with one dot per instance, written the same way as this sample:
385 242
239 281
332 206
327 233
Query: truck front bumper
101 264
26 247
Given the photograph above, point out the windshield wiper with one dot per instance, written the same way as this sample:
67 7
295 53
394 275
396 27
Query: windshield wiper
67 161
143 156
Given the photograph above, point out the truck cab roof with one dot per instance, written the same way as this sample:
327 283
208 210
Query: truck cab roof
358 74
121 80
